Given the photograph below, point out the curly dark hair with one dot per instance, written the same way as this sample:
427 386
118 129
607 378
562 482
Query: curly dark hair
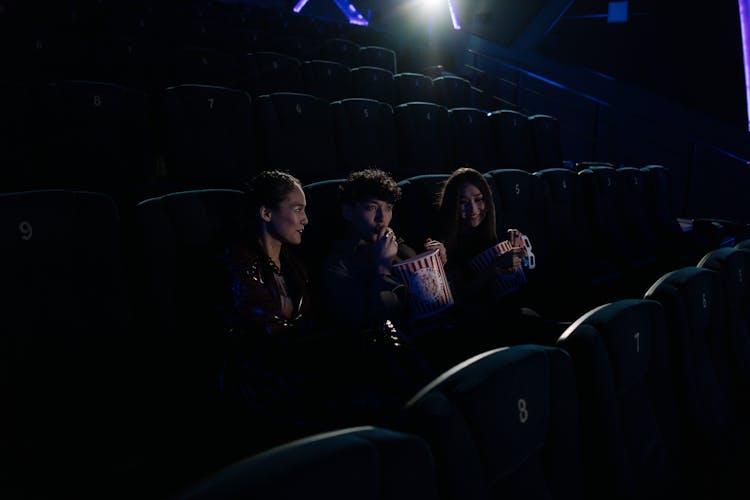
369 183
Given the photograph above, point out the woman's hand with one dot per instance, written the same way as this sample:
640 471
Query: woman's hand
516 263
431 244
517 259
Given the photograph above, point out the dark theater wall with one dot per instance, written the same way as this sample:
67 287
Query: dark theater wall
689 52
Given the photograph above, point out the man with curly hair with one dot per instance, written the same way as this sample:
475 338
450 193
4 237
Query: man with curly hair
361 289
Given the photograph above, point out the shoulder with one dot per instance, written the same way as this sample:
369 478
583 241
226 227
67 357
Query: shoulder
342 250
242 262
239 252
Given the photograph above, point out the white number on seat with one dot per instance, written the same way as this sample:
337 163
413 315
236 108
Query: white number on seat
523 412
26 230
637 337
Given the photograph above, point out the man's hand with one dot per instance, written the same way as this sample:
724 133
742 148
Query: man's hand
386 248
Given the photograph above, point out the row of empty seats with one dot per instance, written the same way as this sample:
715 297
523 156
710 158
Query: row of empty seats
139 45
628 404
261 72
101 136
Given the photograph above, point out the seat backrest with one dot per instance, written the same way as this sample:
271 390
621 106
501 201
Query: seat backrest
568 232
692 301
97 136
615 225
373 82
659 197
423 139
604 213
546 143
298 45
205 66
472 139
411 86
569 242
519 204
512 136
503 424
452 91
270 72
66 362
629 416
132 62
342 50
179 238
17 136
367 463
175 230
744 244
634 213
415 215
296 131
208 137
365 135
329 80
325 224
732 266
41 52
663 219
380 57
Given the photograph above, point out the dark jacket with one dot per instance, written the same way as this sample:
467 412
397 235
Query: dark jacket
357 298
254 288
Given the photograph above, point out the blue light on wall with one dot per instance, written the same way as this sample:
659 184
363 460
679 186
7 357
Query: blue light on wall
348 8
617 12
299 6
744 26
351 12
454 15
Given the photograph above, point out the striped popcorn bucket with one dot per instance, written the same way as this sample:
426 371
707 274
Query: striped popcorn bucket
424 276
483 260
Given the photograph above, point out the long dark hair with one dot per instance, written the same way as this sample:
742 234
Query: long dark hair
449 215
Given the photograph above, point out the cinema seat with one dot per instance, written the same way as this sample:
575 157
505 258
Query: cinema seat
632 447
503 424
367 463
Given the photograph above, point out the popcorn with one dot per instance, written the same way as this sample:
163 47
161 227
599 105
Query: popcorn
425 278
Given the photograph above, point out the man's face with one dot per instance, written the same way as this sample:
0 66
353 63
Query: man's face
369 217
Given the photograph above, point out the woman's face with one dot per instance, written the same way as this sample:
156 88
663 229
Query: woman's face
471 204
289 219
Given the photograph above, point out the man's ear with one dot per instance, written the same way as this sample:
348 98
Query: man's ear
264 213
347 212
